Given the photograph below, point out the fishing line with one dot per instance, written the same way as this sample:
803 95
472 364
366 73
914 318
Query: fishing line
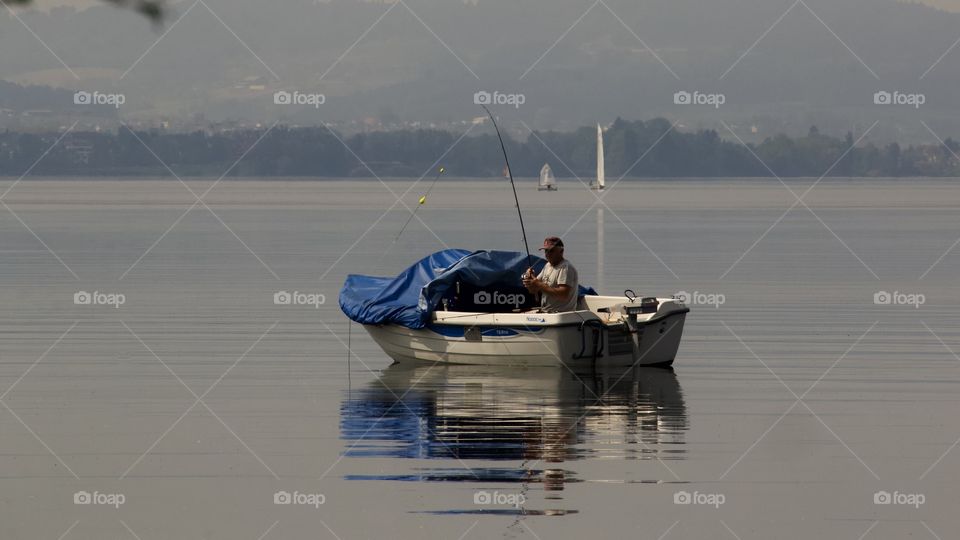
421 202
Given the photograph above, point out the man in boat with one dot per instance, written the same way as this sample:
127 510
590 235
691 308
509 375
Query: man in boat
557 283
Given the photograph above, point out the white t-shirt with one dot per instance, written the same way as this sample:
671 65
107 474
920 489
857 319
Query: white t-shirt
562 274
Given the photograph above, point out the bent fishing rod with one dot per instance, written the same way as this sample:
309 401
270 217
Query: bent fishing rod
503 147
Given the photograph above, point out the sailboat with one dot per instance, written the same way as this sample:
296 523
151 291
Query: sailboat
601 174
547 181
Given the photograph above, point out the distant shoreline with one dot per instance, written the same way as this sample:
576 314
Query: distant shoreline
633 149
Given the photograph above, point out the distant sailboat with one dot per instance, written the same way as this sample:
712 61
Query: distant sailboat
547 181
601 174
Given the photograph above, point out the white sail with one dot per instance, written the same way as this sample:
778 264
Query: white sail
601 174
547 181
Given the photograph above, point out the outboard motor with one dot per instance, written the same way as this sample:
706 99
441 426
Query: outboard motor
630 312
646 305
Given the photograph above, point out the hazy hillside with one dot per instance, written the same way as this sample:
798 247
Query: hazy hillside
799 73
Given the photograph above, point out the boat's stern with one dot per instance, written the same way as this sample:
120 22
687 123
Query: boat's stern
639 331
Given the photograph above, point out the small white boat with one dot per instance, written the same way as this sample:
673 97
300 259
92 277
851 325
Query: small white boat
547 181
462 307
609 331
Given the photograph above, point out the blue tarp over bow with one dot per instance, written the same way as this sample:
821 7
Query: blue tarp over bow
411 297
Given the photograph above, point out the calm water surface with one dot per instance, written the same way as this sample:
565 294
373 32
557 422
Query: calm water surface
800 394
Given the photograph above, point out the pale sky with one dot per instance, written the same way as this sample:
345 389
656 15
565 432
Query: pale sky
46 4
952 5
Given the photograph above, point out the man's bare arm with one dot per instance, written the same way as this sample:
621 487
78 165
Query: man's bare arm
561 291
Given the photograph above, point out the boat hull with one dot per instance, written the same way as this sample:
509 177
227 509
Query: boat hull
548 343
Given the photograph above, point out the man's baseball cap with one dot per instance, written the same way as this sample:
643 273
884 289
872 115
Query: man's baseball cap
551 242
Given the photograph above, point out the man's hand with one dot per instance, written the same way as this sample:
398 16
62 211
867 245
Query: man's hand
532 284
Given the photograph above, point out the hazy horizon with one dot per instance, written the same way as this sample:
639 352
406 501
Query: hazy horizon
953 5
779 68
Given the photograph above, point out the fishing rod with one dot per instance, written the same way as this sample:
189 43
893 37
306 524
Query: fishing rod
513 185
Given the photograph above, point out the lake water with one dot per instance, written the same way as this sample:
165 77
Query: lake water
801 392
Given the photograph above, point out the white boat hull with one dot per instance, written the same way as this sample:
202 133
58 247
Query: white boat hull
540 339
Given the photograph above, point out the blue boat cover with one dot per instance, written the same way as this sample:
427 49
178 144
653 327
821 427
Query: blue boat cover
410 298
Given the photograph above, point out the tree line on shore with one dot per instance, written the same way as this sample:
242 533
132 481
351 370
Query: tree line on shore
650 148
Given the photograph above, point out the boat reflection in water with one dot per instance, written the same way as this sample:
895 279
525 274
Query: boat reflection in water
539 417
